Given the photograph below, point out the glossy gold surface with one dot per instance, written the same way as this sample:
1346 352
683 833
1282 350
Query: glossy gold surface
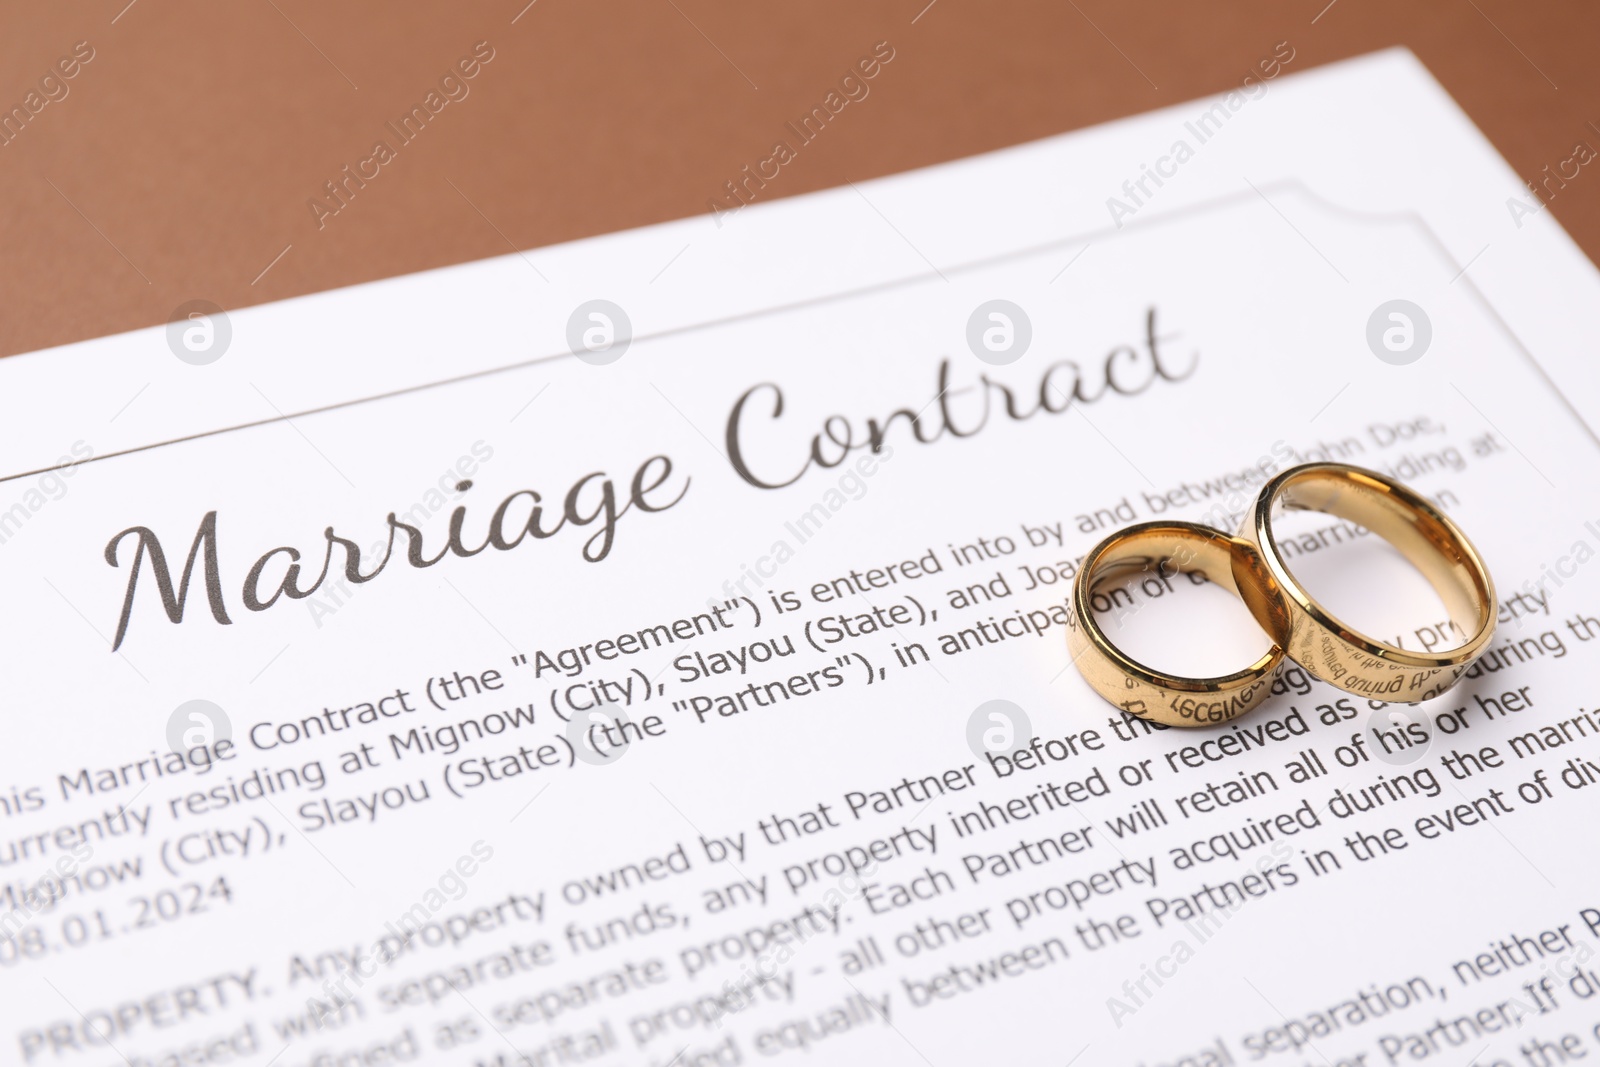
1164 549
1336 652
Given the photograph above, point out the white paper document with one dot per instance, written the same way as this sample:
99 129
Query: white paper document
651 650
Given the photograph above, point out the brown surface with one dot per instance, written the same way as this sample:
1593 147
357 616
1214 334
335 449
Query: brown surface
182 159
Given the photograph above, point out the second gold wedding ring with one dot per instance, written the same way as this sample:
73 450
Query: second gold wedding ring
1162 549
1338 653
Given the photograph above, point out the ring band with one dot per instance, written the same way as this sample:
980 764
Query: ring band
1162 549
1333 651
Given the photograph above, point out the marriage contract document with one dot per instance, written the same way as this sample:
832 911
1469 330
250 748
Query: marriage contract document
651 650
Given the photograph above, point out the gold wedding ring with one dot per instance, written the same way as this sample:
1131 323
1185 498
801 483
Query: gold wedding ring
1162 549
1333 651
1253 567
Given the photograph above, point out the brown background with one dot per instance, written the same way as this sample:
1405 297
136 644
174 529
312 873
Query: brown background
181 162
